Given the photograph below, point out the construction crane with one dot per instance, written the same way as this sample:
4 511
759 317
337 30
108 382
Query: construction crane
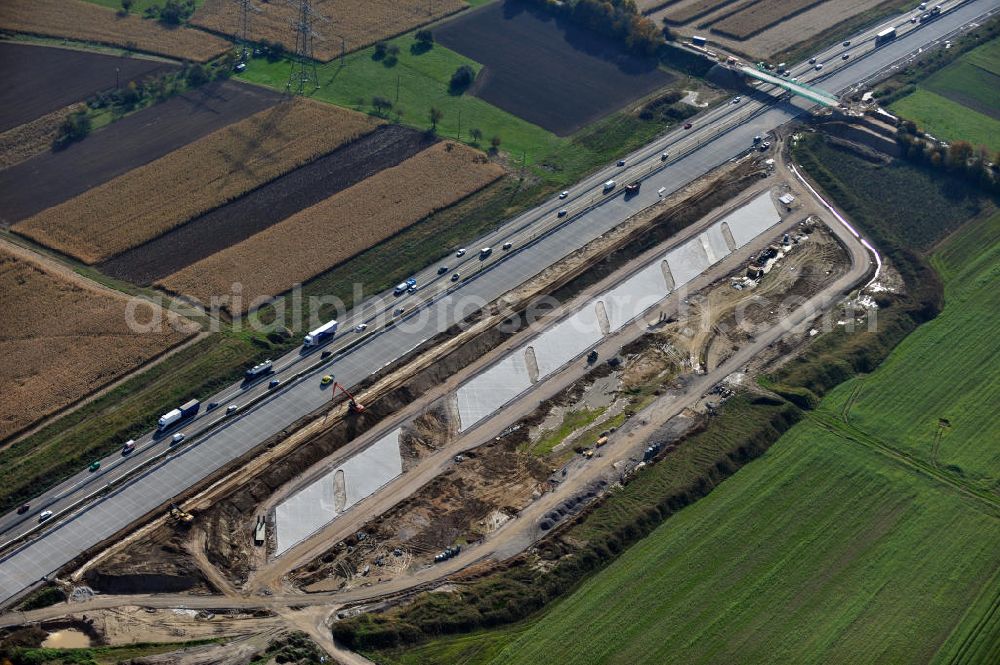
354 406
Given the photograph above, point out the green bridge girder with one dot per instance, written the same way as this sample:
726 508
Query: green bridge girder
812 94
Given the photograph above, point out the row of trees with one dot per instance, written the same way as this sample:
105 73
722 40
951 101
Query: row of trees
959 157
172 12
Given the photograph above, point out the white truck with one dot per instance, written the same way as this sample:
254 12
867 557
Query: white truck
321 334
173 416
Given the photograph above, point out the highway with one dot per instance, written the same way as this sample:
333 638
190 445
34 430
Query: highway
539 238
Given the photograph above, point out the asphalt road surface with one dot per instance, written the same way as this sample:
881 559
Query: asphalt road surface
539 238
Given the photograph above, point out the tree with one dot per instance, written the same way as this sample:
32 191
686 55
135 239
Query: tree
175 12
959 153
435 116
476 134
381 104
380 51
126 7
495 143
196 75
461 79
74 128
424 42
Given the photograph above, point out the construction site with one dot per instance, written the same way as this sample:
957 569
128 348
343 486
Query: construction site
418 476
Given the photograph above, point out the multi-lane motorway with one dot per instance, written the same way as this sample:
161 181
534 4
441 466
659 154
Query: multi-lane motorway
539 238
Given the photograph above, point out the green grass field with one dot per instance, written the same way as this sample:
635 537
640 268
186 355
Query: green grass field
945 119
840 545
960 101
935 396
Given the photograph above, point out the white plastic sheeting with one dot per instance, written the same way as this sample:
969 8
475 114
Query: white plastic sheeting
310 509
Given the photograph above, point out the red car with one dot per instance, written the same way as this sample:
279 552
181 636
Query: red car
687 125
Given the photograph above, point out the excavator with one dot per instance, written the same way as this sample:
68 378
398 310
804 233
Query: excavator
353 405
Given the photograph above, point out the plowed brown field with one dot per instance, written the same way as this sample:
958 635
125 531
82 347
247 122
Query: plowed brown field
150 200
318 238
358 24
85 21
61 339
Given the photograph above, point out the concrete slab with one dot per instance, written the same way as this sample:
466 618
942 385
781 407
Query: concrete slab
687 261
372 468
313 507
304 513
484 394
715 243
635 295
751 220
567 339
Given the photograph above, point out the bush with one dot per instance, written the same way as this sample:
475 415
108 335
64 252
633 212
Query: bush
74 128
461 79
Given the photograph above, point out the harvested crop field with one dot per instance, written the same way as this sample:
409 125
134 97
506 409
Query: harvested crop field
20 143
61 338
790 23
358 24
281 198
51 178
761 15
318 238
546 70
69 76
153 199
87 22
685 12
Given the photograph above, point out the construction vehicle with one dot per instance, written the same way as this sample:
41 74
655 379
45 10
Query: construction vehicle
353 405
180 516
601 441
588 453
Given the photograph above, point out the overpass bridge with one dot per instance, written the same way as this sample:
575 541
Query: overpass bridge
812 94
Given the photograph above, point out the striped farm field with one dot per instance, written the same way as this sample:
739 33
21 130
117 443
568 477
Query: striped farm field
149 201
761 15
85 21
348 25
316 239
